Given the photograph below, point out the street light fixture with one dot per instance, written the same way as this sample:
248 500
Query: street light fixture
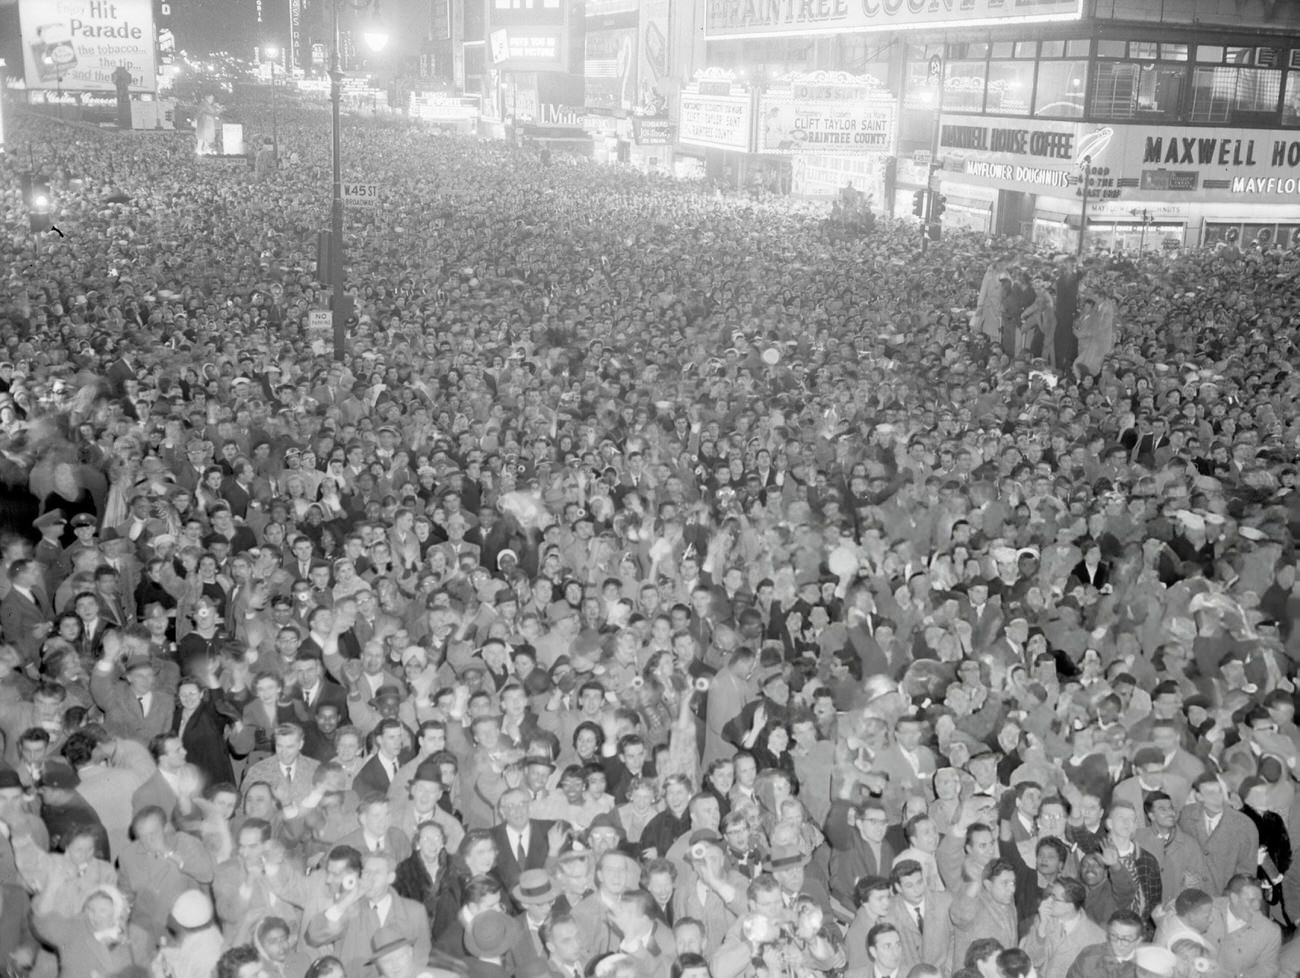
376 34
340 306
273 54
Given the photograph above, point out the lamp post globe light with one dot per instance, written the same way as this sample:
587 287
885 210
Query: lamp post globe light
376 37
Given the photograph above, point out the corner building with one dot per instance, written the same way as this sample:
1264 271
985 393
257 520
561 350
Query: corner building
1182 116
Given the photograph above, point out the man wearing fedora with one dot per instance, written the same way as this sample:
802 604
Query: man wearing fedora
708 888
786 863
419 804
393 955
132 707
488 939
483 895
536 892
352 921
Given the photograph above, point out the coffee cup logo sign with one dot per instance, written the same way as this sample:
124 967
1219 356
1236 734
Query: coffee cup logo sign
1093 145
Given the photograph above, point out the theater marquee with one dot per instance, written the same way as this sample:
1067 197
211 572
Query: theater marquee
768 18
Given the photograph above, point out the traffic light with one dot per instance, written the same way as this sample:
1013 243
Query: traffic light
940 205
934 231
918 203
36 192
36 196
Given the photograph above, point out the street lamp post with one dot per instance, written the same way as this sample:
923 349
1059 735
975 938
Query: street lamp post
339 306
1086 165
273 54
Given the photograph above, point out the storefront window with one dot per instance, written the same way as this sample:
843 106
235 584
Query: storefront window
968 51
1257 92
1133 90
1010 85
1291 104
918 93
1236 95
963 89
1213 90
1215 233
1060 89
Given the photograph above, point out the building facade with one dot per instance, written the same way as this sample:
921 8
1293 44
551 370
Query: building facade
1155 123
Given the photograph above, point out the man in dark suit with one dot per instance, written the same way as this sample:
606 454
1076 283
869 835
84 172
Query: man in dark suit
481 895
523 843
861 619
856 834
159 791
119 372
25 614
315 688
377 774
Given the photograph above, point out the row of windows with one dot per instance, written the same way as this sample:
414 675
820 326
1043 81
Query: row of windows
1212 88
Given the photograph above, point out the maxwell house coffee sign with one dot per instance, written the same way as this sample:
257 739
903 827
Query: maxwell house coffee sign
767 18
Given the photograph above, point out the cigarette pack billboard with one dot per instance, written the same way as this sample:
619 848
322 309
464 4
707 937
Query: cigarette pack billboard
78 45
529 35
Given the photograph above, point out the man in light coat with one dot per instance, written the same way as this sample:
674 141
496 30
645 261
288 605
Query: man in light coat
1062 929
1227 838
921 917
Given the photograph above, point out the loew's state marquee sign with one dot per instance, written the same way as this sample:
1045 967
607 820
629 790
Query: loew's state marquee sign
826 112
767 18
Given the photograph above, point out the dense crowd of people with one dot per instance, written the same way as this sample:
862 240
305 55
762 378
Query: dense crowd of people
664 585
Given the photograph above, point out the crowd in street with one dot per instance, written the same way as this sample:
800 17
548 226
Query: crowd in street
663 585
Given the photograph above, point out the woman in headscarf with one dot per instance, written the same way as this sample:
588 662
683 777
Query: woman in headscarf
95 939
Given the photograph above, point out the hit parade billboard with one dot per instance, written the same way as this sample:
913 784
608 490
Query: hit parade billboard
77 45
